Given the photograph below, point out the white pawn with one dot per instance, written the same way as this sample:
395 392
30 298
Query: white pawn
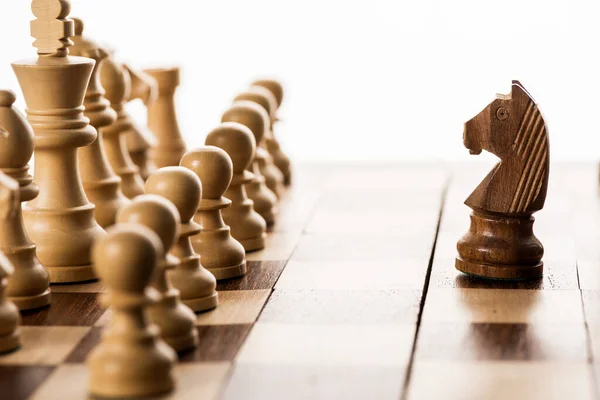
131 360
184 189
175 319
221 253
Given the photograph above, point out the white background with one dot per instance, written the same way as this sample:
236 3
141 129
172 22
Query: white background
376 80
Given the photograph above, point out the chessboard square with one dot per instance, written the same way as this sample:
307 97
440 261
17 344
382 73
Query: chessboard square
88 287
557 276
278 246
217 343
503 306
68 309
235 307
259 382
589 274
356 307
261 275
202 381
327 345
19 382
486 342
362 248
85 346
500 380
327 221
47 345
366 275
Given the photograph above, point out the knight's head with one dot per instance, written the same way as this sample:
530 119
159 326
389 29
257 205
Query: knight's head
495 128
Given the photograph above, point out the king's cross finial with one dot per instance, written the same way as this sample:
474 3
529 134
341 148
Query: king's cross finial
52 29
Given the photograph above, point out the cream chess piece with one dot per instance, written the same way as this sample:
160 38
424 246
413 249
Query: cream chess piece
281 160
162 119
131 359
102 186
255 117
183 188
140 140
29 286
10 319
60 221
115 81
247 226
221 253
175 319
273 176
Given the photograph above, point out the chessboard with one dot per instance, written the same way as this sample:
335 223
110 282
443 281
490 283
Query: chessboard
356 296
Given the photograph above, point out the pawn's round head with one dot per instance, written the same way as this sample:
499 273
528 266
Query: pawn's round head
214 168
16 135
261 96
238 142
250 114
178 185
125 259
154 212
79 26
273 86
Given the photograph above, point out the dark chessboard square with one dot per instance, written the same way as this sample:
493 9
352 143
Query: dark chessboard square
70 309
342 307
217 343
260 275
19 382
513 342
260 382
85 346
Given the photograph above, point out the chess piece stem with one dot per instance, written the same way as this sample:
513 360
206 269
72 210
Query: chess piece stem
162 119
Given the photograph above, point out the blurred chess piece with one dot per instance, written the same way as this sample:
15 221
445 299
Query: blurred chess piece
10 319
102 186
162 118
273 176
500 243
175 319
221 254
140 140
183 188
29 286
280 159
256 118
131 361
117 84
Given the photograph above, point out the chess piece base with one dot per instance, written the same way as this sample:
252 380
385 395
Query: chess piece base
253 244
10 342
32 302
229 272
72 274
500 247
500 272
182 343
202 303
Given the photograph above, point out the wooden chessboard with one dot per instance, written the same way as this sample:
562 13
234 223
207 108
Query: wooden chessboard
356 297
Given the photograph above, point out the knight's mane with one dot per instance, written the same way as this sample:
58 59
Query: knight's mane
531 147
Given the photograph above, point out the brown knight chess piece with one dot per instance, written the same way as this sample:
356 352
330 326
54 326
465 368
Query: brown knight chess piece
500 243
